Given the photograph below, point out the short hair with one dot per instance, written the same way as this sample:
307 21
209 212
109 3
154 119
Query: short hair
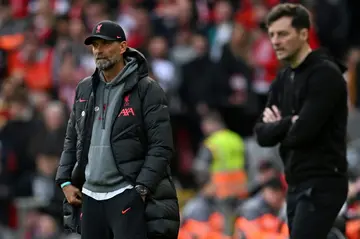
214 117
19 96
299 14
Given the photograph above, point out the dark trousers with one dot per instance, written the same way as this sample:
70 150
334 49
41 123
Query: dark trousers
121 217
313 207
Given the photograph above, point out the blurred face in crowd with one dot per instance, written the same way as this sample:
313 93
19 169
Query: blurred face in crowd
30 49
184 12
158 47
183 38
142 20
46 165
108 53
5 12
46 227
44 7
286 40
40 100
266 174
94 12
223 11
239 36
209 126
274 197
53 115
199 43
62 26
15 109
260 11
8 88
76 28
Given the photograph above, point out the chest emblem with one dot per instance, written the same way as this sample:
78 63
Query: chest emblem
127 110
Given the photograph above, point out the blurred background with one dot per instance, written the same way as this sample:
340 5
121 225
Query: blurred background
215 63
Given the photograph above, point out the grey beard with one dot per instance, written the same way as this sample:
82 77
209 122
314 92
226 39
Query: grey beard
104 64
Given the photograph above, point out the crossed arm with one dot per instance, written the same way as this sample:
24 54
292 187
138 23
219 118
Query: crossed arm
271 127
326 86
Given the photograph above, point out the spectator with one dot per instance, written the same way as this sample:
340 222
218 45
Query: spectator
233 95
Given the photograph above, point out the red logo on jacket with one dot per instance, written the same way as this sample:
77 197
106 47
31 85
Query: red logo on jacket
127 100
128 111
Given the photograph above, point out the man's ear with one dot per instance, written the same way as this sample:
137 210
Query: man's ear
304 34
123 47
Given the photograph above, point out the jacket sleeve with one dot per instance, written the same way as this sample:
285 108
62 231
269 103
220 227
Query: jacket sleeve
68 155
270 134
326 86
159 137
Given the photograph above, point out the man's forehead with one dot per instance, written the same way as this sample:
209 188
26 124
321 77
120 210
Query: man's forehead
283 23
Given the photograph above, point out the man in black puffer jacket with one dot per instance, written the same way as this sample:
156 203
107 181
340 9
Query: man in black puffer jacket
118 144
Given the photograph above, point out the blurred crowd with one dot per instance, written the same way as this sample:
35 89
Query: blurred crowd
208 56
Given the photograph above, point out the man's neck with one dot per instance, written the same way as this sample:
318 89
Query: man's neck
110 74
300 56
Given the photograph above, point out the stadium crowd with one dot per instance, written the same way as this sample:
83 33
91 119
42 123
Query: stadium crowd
214 60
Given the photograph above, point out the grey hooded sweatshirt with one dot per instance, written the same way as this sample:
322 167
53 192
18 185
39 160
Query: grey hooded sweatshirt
101 173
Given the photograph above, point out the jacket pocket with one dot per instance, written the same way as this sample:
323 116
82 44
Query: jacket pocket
134 200
125 131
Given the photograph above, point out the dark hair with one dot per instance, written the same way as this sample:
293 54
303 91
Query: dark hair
213 116
20 96
299 14
276 183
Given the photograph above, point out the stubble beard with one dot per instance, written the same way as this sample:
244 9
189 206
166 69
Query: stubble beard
105 64
292 55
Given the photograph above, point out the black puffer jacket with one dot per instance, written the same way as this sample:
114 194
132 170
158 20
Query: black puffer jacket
141 143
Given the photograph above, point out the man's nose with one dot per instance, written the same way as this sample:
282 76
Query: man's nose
98 54
275 41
